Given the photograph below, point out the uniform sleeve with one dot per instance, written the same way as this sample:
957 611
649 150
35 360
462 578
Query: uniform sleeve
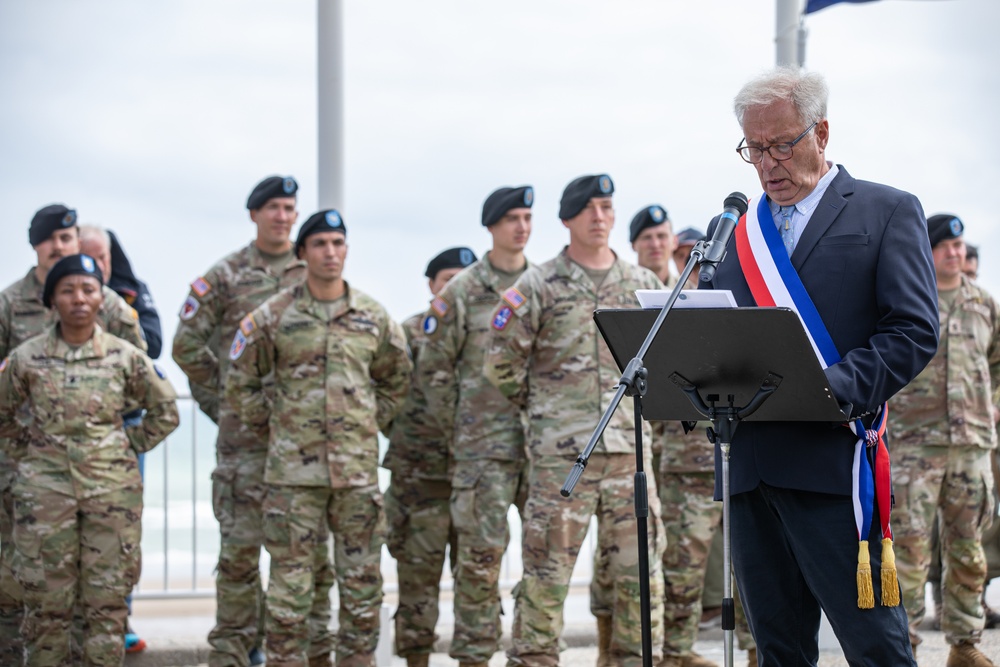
123 320
5 320
200 318
208 401
994 359
152 391
251 360
436 369
390 372
512 338
149 321
13 393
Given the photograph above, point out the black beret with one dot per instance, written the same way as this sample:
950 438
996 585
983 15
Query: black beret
452 258
49 219
689 236
944 226
327 220
504 199
651 216
971 251
69 266
269 188
582 190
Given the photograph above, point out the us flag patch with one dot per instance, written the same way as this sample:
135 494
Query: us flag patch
440 306
201 286
514 298
247 325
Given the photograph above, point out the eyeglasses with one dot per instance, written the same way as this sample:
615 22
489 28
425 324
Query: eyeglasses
783 151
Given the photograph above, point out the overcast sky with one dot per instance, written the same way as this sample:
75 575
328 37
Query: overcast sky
156 119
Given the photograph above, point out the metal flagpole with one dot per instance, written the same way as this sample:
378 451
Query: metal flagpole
330 103
789 33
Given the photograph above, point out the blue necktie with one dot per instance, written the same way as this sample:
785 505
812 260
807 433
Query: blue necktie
787 232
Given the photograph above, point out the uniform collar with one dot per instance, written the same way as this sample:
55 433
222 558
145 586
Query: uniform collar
94 348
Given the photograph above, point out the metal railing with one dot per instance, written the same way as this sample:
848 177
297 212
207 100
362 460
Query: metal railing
180 536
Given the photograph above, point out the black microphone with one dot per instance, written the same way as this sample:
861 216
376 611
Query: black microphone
735 206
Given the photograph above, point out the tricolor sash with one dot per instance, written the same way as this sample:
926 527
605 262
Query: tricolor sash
773 281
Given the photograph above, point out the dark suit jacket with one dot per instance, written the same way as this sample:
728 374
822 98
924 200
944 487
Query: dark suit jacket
865 260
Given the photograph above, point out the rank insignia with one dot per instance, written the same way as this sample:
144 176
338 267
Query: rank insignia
502 317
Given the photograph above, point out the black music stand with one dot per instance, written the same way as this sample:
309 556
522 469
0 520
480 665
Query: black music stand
742 354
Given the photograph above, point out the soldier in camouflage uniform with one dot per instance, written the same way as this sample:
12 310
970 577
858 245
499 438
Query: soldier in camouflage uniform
547 357
53 235
490 472
686 467
208 319
78 494
944 438
316 372
416 502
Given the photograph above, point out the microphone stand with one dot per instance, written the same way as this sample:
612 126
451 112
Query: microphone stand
633 383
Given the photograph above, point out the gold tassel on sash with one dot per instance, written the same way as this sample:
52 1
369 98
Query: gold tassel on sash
866 596
890 584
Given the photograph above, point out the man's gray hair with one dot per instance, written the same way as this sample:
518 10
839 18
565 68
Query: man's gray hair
807 91
96 232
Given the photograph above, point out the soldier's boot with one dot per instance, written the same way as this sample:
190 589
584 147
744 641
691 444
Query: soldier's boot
324 660
752 658
418 660
965 654
689 660
604 632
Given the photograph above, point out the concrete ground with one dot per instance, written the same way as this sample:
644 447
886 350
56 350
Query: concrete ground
176 631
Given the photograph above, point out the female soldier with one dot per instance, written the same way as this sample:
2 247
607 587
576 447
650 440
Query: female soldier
77 493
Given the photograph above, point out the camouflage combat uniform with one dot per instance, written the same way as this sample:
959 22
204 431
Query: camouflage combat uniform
691 517
209 318
78 493
416 505
942 433
337 380
24 316
490 462
547 356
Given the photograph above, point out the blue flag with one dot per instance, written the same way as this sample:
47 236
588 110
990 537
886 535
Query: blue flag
816 5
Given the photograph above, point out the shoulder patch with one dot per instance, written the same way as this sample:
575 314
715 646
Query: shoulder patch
201 286
440 306
248 325
3 364
190 308
239 344
429 325
514 298
159 372
502 317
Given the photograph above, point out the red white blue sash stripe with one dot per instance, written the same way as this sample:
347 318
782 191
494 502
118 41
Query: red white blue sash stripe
773 281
